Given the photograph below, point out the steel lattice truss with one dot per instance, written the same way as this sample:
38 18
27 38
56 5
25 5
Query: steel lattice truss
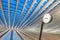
15 14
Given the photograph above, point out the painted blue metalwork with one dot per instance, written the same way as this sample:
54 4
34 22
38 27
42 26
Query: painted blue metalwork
5 7
19 10
2 18
38 1
22 1
41 6
29 3
12 13
38 10
19 17
31 11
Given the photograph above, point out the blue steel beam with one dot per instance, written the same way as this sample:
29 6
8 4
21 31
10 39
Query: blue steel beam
25 10
12 11
35 4
19 10
22 18
41 6
1 16
5 9
31 11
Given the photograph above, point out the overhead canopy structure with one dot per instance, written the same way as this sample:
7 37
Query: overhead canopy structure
28 14
18 13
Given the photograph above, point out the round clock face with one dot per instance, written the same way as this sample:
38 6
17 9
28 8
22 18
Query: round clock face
47 18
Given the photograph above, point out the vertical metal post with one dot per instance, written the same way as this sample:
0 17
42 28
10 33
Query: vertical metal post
41 30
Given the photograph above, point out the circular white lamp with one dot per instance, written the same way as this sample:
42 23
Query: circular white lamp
47 18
